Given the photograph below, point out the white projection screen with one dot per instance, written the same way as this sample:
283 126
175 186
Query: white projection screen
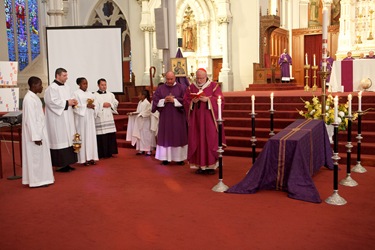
90 52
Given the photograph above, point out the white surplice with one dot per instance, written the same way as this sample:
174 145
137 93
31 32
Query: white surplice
139 127
60 122
104 121
85 125
36 160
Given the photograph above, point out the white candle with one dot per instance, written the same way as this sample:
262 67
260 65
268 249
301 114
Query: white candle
336 103
360 101
306 62
314 60
350 105
271 101
163 70
219 107
325 38
253 104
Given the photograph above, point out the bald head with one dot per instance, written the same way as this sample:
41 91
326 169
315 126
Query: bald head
170 78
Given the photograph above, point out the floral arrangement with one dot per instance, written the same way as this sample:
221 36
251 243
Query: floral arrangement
314 111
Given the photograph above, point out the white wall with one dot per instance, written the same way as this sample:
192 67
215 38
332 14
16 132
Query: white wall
132 12
244 41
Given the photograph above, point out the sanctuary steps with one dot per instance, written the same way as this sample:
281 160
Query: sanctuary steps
237 121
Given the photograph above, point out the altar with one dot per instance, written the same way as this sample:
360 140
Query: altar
289 160
348 74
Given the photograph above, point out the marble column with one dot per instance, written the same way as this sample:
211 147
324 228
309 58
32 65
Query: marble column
55 13
147 29
226 74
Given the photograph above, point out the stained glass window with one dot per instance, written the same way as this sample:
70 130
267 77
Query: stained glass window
22 26
10 30
34 28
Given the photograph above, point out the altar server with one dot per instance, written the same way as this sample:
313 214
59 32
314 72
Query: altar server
104 122
84 117
36 157
139 126
60 121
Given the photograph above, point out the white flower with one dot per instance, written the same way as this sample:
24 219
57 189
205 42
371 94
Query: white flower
312 112
341 114
339 120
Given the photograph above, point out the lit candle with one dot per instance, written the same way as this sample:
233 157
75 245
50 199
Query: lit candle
306 62
271 101
336 103
350 105
163 70
314 60
360 101
253 104
219 108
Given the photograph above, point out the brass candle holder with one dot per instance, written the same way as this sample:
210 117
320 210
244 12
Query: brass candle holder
307 67
314 68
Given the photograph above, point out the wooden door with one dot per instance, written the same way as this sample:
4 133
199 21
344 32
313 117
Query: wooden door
217 64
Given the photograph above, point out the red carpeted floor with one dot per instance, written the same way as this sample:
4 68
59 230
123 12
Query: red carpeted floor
133 202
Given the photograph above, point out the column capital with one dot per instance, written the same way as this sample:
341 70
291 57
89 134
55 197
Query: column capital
223 19
140 1
147 28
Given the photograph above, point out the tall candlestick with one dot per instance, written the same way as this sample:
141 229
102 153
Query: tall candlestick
324 38
306 62
360 101
253 104
219 108
314 60
271 101
350 105
336 103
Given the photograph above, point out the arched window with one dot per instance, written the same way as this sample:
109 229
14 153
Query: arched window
108 13
22 25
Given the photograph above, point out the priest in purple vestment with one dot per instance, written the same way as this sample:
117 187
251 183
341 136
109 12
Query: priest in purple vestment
329 66
370 55
172 136
285 61
348 57
200 102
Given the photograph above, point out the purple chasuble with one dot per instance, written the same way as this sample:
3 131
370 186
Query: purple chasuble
172 120
284 61
202 126
329 67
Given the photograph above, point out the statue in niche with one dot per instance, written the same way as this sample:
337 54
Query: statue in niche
335 12
189 30
314 12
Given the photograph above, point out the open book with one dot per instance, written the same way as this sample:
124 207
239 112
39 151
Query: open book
197 95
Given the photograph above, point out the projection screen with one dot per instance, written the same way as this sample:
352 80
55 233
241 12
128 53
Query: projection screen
90 52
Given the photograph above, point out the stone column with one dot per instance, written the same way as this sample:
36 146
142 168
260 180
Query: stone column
226 74
146 27
55 12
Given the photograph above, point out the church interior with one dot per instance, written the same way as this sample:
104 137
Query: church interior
134 202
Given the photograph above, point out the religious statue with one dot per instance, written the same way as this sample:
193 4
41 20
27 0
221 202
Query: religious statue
314 12
335 12
189 31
